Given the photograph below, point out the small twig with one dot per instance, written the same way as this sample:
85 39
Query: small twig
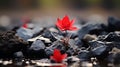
66 33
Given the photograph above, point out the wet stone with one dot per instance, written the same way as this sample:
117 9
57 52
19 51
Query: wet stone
74 35
99 50
110 58
116 61
94 44
18 54
56 35
25 33
47 34
90 29
36 54
48 51
72 59
79 43
37 45
36 50
113 57
84 55
113 24
89 37
113 36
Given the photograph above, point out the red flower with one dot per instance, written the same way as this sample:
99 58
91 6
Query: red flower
65 24
57 56
25 25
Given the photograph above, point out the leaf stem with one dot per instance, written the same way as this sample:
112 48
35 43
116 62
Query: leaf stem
66 33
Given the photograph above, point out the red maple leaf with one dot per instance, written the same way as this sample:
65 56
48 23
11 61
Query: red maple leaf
65 24
57 56
25 25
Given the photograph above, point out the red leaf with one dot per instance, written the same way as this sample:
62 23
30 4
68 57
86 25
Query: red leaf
25 25
57 56
65 24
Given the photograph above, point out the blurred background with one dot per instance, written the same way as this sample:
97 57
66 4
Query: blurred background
46 11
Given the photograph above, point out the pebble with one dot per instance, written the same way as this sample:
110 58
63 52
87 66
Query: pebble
27 62
86 64
37 45
1 61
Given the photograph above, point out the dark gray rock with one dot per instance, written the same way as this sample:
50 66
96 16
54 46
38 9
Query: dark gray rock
18 54
84 55
56 35
25 33
47 34
99 50
113 24
37 45
90 29
112 36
